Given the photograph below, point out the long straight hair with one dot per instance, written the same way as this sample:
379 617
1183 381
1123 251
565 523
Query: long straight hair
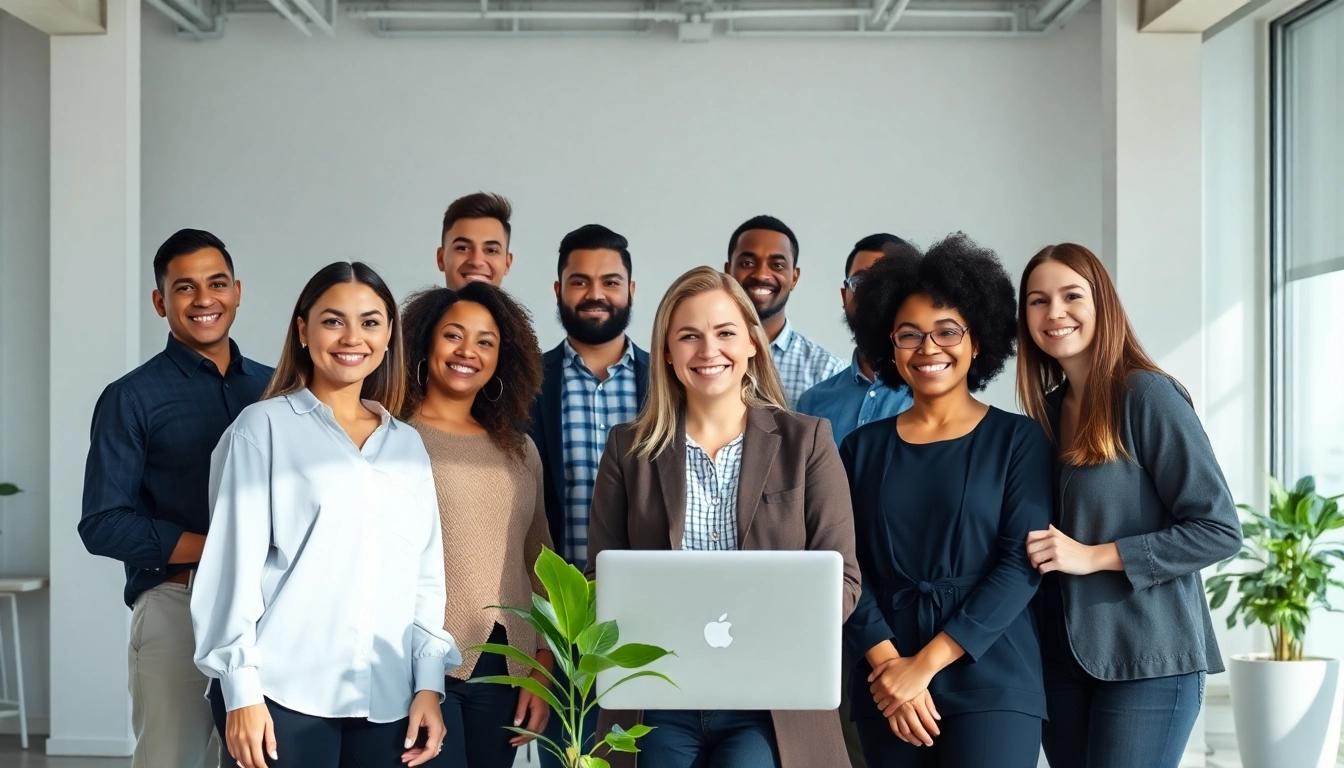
656 424
295 371
1115 353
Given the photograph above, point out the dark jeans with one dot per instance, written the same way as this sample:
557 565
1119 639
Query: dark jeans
475 715
970 740
555 729
304 741
708 739
1118 724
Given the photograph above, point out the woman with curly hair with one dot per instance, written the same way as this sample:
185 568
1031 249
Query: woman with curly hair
472 368
944 497
1125 630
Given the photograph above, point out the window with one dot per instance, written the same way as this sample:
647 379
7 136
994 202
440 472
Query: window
1308 245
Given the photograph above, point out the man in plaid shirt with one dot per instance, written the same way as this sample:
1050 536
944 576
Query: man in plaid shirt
595 379
763 259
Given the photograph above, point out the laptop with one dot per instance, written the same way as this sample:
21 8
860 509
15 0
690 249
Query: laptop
751 630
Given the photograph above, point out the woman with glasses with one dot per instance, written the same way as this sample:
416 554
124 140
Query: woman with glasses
1125 630
944 497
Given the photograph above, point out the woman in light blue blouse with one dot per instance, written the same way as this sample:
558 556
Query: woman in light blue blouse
319 600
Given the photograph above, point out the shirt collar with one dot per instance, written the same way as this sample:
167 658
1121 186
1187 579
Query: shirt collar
856 370
574 360
189 360
304 401
781 341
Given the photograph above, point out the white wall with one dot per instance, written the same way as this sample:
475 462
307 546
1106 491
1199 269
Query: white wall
300 152
24 281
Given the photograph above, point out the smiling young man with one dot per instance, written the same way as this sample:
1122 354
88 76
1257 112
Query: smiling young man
474 244
145 488
763 259
595 379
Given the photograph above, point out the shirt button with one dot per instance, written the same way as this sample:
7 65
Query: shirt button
601 426
872 394
599 387
714 535
715 502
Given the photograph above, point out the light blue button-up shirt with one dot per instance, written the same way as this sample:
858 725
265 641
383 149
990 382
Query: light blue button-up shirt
321 586
801 363
849 400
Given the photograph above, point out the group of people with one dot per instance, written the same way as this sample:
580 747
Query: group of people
314 552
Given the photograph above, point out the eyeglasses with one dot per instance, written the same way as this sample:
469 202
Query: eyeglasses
852 283
943 337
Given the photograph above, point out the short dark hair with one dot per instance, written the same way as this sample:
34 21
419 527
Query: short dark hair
518 371
479 205
185 242
956 273
592 237
876 242
768 223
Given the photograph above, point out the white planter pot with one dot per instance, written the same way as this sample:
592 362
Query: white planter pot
1287 712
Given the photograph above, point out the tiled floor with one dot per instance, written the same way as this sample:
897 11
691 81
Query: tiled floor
1218 729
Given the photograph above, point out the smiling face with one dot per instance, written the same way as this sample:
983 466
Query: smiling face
475 250
762 263
709 345
932 370
593 295
1061 312
199 299
347 333
465 351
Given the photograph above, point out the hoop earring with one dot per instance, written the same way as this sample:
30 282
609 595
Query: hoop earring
494 399
422 375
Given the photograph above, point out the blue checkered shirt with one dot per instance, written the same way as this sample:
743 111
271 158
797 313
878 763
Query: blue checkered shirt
801 363
588 410
711 496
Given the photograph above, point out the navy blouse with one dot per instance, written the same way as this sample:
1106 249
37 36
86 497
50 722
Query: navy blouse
941 534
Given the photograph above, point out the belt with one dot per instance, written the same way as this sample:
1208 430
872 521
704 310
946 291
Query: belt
929 597
181 577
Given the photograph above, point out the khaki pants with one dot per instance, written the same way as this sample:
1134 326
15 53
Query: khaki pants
169 712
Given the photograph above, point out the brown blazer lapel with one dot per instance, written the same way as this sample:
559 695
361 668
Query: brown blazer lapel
671 465
760 443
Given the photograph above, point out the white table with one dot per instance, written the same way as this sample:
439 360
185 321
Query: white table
9 590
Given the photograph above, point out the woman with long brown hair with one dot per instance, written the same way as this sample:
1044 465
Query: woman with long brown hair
473 367
713 450
1142 506
318 607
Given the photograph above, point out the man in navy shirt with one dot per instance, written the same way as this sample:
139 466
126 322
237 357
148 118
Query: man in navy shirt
145 489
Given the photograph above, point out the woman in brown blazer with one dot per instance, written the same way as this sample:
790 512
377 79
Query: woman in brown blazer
715 462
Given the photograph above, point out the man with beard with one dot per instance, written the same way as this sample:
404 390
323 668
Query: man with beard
852 398
763 259
595 379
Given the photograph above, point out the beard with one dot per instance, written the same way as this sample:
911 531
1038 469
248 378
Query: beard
594 331
849 323
776 303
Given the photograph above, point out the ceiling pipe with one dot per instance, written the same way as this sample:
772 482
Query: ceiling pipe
177 18
896 14
283 10
306 8
427 15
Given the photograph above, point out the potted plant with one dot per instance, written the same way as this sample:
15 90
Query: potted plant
583 648
1286 705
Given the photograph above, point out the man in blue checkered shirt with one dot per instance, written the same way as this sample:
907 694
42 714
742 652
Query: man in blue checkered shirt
763 259
595 379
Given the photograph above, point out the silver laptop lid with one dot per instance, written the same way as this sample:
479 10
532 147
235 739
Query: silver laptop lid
750 630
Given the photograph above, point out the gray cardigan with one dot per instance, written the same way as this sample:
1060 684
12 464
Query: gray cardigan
1170 513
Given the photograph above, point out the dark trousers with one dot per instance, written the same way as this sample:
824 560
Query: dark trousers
970 740
1118 724
476 714
555 730
709 739
304 741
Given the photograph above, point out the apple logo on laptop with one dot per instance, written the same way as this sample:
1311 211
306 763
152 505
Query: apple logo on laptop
716 633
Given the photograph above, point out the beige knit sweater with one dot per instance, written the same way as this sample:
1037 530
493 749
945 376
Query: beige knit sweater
493 512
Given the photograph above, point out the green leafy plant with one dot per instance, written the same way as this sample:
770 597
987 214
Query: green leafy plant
1290 565
9 489
583 648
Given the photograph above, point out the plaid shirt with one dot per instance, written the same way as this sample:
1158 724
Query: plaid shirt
711 497
588 410
801 363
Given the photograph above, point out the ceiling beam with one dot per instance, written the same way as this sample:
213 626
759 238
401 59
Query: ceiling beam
60 17
1184 15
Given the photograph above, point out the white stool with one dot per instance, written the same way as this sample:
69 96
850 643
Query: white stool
9 590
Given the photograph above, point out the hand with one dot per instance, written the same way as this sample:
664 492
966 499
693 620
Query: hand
249 735
915 722
897 681
425 713
1051 550
532 712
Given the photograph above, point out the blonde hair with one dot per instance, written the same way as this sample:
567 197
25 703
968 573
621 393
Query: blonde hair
657 421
